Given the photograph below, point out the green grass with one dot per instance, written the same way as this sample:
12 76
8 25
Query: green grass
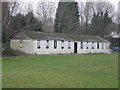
61 71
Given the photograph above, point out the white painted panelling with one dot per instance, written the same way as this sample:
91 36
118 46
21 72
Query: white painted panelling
30 47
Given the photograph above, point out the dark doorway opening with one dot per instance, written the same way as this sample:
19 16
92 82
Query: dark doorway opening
75 47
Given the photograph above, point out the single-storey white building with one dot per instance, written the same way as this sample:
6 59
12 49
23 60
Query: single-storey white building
32 42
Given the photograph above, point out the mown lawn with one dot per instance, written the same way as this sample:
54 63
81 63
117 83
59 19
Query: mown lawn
61 71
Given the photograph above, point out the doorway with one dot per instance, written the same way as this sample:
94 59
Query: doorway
75 47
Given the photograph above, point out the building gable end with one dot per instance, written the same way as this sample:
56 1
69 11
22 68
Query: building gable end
22 35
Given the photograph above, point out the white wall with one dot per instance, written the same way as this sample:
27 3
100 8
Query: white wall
27 45
30 47
51 49
105 48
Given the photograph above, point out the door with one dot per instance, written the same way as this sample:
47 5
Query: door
75 47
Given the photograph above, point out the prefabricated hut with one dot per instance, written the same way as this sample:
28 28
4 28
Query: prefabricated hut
33 42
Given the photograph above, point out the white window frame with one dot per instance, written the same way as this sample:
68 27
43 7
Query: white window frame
107 46
102 45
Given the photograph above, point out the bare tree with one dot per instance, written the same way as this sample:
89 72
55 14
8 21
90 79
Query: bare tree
88 12
46 13
118 16
103 6
81 10
27 7
118 19
5 12
12 10
9 8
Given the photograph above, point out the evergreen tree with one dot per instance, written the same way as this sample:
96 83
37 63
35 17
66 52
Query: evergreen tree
18 22
67 17
33 23
99 23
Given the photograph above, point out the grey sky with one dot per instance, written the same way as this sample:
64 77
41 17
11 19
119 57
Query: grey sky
114 2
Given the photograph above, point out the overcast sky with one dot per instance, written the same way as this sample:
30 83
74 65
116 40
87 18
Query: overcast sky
35 4
114 2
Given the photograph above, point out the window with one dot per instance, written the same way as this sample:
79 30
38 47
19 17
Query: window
38 44
98 45
62 44
69 44
55 44
21 43
87 45
47 44
92 45
81 45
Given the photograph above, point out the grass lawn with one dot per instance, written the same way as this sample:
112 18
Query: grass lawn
61 71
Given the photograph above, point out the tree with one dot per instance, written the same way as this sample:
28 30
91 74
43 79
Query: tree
67 17
99 23
33 23
81 12
25 7
88 12
8 8
18 22
5 13
45 13
12 10
88 9
5 20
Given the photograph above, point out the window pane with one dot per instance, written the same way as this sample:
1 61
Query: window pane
87 45
38 44
62 44
47 44
98 45
81 45
92 45
69 44
55 44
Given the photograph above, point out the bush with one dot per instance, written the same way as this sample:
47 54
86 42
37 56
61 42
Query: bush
8 51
